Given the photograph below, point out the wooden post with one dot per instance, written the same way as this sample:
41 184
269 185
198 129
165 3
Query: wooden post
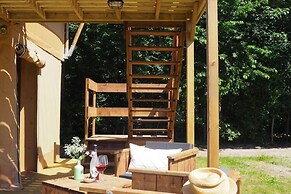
190 86
212 85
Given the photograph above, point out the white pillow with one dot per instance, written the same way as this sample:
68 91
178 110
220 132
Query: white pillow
146 158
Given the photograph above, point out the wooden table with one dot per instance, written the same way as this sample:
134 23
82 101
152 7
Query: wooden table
68 185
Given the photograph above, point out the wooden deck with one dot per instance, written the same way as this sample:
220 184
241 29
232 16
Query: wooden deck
31 181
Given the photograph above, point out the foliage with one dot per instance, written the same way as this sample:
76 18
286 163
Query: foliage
255 73
254 47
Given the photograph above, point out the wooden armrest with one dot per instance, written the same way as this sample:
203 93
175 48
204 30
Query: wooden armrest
184 154
121 151
158 172
121 161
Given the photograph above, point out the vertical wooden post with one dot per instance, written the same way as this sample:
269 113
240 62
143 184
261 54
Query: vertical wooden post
190 86
212 85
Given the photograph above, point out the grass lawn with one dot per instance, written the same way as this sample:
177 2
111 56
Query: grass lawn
259 175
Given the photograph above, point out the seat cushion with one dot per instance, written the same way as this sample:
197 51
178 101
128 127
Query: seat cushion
147 158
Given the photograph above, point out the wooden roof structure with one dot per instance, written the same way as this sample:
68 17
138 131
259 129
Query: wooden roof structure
147 11
98 10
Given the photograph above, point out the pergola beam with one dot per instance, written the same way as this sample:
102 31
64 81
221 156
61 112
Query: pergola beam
37 9
75 6
158 9
198 9
212 84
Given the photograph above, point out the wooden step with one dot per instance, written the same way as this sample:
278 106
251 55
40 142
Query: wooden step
153 48
149 130
150 120
152 76
152 100
144 109
153 33
151 89
154 62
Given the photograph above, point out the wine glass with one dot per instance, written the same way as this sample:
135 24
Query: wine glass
103 162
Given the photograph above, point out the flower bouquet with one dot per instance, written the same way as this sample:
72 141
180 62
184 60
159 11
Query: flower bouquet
77 150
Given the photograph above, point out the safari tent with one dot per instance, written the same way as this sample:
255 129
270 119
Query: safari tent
33 43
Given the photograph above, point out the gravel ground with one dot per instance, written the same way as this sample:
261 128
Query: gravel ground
250 151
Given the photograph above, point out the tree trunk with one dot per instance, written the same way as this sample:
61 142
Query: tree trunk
288 127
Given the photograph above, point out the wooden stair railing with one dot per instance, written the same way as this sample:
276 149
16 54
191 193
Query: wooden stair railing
154 95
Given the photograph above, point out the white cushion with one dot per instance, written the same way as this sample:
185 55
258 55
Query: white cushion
146 158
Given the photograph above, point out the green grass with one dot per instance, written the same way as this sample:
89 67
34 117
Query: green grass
256 178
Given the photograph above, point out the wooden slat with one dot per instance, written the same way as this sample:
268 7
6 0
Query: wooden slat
153 48
153 76
151 89
151 120
107 87
154 62
107 112
151 24
153 33
149 130
152 100
152 109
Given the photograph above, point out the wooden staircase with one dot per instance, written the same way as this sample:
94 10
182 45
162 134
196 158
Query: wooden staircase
152 97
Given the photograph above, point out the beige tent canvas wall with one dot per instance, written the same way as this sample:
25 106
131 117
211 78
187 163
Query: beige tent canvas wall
29 100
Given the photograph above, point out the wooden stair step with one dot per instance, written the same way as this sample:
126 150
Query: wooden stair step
149 130
153 48
152 100
151 120
152 76
142 109
154 62
151 89
153 33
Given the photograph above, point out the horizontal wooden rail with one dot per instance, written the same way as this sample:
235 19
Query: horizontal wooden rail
108 112
154 33
154 62
153 48
153 76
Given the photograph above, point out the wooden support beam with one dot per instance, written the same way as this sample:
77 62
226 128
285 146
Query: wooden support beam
3 14
118 14
212 85
158 9
198 9
37 9
190 122
75 6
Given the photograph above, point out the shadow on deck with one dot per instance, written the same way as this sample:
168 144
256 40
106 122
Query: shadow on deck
32 181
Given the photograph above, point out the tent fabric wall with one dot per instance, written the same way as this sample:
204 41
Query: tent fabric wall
48 46
48 36
9 113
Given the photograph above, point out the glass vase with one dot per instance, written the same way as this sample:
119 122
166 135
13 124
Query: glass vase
78 171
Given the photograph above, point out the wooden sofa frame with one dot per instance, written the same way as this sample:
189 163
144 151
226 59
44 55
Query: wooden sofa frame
184 161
